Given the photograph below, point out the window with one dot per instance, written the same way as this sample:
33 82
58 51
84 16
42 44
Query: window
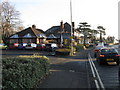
27 35
14 36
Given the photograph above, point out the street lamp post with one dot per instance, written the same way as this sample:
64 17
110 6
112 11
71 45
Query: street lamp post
61 37
71 52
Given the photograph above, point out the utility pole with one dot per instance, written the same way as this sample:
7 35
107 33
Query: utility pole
71 52
61 36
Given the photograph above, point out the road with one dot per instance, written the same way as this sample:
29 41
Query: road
108 74
73 72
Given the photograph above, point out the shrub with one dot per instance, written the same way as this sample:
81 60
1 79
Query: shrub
21 72
65 51
62 51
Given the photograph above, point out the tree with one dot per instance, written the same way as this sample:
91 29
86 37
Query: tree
93 34
101 32
83 27
110 39
9 19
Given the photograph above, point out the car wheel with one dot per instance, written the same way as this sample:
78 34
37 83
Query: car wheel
100 62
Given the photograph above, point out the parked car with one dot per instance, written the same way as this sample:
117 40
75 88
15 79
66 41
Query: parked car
30 46
13 46
108 56
40 46
51 46
3 46
22 46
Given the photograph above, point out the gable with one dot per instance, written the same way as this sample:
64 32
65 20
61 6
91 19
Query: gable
14 36
41 35
28 35
51 36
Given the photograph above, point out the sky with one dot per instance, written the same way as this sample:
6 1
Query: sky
47 13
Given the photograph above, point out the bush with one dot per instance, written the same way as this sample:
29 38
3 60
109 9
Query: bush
65 51
21 72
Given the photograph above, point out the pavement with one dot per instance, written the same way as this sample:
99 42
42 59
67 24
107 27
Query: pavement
68 72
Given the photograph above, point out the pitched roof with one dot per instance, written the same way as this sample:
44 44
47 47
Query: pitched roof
54 29
51 36
29 32
57 29
64 35
38 32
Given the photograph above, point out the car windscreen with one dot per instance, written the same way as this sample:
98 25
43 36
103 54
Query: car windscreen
109 51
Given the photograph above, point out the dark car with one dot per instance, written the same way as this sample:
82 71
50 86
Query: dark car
96 50
31 46
51 46
22 46
108 56
13 46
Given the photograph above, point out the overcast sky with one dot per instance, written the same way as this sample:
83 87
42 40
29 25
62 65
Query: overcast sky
47 13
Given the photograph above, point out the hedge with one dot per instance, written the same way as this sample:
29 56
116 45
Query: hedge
65 51
22 72
62 51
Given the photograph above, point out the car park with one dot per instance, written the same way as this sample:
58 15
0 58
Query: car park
108 56
3 46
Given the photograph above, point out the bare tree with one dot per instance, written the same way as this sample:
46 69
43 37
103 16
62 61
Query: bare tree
9 18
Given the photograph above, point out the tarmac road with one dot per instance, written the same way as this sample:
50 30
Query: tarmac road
68 72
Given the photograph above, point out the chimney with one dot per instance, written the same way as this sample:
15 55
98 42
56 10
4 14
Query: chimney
61 24
33 26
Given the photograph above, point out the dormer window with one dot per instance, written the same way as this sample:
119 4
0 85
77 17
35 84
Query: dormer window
14 36
41 35
27 35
